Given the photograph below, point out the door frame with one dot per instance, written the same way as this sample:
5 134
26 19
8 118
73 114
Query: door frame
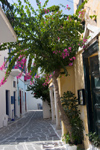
91 51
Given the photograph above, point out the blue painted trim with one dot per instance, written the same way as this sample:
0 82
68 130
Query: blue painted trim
12 99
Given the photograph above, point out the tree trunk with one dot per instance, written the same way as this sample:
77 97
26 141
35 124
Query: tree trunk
64 117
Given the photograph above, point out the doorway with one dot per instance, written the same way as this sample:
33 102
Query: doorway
14 103
7 102
92 87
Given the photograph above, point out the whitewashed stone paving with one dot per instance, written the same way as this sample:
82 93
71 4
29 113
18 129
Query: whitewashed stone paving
31 132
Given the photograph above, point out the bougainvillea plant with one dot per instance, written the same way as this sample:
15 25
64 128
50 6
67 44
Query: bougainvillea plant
49 37
39 90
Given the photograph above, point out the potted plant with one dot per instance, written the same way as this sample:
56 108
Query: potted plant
69 145
70 105
94 140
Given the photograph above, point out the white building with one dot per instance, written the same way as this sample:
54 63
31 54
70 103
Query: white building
22 96
33 103
8 91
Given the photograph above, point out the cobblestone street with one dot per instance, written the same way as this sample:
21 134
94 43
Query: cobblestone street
31 132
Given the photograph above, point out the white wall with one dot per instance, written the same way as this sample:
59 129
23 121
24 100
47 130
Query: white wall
7 86
22 88
32 102
46 110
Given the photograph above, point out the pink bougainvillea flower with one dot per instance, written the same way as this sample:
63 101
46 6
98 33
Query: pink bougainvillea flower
70 59
70 64
74 58
37 76
69 48
84 46
84 40
50 76
65 50
67 7
31 83
15 67
1 68
3 81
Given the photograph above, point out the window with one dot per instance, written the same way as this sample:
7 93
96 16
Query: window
14 83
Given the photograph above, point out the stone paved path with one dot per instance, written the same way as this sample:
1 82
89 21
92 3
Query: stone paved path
31 132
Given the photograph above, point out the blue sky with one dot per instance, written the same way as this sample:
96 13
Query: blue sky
53 2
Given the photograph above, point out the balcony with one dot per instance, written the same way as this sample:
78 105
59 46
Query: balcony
15 72
7 33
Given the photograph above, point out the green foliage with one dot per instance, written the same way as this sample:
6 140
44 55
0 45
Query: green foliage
8 10
38 34
78 148
69 103
81 6
94 138
66 138
93 17
5 4
38 90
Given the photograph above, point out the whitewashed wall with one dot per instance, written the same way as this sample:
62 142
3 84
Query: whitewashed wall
46 110
22 88
32 102
7 86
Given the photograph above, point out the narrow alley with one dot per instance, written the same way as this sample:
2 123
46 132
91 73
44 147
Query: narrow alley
31 132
